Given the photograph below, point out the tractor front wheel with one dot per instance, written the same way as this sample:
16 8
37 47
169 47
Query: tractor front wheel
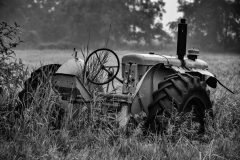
178 97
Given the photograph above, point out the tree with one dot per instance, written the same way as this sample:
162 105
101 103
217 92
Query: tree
129 20
75 21
12 71
212 24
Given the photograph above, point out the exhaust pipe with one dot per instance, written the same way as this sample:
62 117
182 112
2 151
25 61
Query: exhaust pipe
182 39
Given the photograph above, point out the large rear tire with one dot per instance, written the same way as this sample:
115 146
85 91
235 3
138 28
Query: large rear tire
181 93
39 77
39 82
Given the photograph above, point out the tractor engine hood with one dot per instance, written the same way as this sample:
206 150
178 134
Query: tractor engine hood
153 59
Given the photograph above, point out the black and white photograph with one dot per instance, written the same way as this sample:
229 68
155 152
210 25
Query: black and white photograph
119 79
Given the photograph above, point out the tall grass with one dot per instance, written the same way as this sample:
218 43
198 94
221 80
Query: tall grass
87 137
91 134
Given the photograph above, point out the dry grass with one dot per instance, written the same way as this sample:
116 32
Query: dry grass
31 138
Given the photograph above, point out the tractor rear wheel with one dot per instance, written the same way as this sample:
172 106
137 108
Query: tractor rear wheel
39 82
177 95
39 78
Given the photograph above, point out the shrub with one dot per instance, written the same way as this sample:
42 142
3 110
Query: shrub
12 74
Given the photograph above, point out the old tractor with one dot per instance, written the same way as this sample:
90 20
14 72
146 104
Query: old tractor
151 83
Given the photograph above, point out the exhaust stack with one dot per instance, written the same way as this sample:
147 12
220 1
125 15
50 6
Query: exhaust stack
182 39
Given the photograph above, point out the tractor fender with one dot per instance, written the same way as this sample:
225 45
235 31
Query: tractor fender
210 78
142 97
73 67
67 79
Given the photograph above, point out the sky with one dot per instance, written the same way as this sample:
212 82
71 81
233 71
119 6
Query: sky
171 12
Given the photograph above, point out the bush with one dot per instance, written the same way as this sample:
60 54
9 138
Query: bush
12 70
12 75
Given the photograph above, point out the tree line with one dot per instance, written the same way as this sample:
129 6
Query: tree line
213 24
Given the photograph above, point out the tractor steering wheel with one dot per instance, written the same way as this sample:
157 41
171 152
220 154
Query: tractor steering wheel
101 66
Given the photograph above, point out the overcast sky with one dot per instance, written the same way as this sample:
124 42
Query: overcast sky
171 12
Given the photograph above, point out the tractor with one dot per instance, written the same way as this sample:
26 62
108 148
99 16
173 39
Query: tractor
150 83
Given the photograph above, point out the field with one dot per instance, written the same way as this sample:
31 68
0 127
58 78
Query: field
33 140
35 58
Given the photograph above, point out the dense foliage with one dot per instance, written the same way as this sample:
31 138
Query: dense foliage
11 69
213 24
120 21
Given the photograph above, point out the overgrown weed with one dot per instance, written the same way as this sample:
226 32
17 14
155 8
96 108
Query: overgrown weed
87 135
